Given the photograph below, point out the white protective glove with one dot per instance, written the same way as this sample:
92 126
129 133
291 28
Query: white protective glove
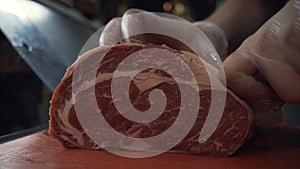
119 28
216 35
273 51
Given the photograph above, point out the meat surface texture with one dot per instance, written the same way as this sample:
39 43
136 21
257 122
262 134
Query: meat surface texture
232 131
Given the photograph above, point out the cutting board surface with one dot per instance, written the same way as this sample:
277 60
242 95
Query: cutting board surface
274 147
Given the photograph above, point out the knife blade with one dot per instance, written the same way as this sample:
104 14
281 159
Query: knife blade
47 41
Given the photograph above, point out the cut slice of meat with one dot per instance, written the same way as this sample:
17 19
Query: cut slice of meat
232 131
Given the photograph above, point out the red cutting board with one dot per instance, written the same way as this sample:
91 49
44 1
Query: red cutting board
274 147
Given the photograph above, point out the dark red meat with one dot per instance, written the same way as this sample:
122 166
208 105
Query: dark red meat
234 128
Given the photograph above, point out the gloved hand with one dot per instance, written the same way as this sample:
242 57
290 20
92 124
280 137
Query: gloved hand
216 35
273 51
119 28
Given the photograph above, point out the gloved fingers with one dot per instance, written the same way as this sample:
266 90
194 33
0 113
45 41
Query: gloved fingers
216 35
240 77
134 11
276 52
134 25
280 36
136 22
139 26
272 51
111 33
279 67
146 27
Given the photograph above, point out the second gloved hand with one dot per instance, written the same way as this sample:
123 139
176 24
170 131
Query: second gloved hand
131 23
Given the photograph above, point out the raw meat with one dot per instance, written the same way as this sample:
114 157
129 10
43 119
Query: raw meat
233 130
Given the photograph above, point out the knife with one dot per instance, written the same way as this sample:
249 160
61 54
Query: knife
47 41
